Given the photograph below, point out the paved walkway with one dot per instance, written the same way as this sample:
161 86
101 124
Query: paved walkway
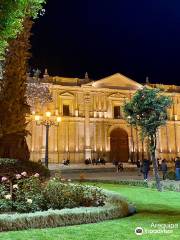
99 172
90 166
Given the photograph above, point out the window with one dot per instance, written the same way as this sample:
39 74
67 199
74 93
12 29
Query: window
117 112
66 111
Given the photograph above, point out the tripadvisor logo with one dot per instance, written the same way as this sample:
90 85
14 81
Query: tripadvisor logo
139 231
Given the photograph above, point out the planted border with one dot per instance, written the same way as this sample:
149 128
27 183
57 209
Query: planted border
138 183
115 207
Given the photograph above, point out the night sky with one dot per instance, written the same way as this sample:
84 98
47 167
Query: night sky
137 38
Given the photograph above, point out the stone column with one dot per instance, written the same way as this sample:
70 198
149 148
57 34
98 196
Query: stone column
87 127
95 147
167 141
105 138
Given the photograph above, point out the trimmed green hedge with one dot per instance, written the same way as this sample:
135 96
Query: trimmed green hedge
167 185
115 207
138 183
9 167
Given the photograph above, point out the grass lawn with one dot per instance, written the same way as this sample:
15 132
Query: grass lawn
152 207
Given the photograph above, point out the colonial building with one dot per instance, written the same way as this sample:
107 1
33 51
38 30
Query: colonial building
92 123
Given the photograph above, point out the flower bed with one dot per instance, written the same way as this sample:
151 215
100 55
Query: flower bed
115 207
23 193
36 204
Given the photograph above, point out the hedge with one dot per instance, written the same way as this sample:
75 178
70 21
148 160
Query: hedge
10 167
130 182
115 207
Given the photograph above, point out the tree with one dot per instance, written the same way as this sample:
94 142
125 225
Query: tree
38 92
13 102
147 110
15 16
12 15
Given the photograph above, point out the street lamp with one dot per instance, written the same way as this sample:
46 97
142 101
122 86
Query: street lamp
48 120
132 140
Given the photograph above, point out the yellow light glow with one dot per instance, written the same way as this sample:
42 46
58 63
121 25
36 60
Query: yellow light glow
37 117
56 112
48 114
58 119
33 112
100 114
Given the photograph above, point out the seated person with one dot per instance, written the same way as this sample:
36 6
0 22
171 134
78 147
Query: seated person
102 161
66 162
87 161
93 161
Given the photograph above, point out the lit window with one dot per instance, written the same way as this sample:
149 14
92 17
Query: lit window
117 112
66 111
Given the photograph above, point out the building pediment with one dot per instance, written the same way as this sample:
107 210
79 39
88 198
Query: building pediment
66 95
117 95
117 81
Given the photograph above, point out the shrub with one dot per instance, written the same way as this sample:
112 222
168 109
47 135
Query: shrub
5 205
60 195
28 195
10 167
171 175
21 193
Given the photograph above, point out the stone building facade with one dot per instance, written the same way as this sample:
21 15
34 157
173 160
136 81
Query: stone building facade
92 122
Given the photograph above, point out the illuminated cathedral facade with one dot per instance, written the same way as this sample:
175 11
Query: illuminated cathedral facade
92 123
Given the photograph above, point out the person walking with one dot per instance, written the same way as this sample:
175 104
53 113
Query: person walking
164 168
145 168
177 168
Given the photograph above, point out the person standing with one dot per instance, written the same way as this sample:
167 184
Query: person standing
138 164
145 168
116 165
120 166
164 168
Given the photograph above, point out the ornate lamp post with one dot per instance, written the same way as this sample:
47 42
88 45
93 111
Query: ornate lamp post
47 121
132 141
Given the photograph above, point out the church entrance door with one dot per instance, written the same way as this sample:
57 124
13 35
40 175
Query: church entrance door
119 145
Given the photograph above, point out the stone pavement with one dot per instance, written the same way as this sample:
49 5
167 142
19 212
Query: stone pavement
99 172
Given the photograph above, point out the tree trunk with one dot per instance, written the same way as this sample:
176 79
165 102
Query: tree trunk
13 102
14 146
154 161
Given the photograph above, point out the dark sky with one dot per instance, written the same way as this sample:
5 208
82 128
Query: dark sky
137 38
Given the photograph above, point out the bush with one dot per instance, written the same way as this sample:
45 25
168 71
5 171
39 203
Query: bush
28 196
5 204
60 195
10 167
171 175
20 193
